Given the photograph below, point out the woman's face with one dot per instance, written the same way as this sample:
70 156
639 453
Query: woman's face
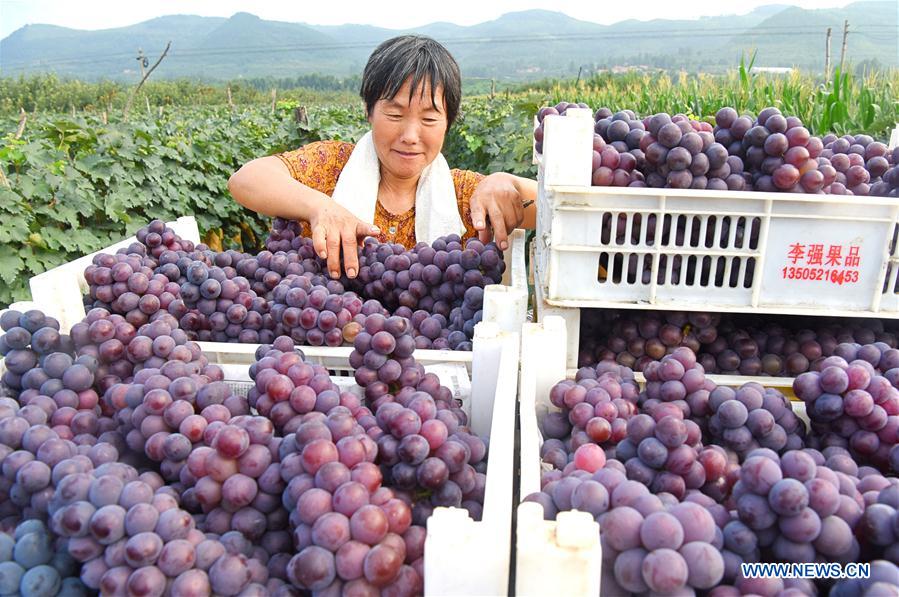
408 135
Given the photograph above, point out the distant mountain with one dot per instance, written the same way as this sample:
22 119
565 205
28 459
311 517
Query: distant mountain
516 46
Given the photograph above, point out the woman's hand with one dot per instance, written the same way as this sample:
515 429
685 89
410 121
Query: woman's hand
498 204
334 228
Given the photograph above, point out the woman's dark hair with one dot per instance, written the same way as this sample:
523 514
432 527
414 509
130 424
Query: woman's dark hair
416 56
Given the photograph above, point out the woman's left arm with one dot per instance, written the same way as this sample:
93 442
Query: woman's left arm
502 202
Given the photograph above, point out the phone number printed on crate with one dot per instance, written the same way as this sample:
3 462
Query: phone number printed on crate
838 264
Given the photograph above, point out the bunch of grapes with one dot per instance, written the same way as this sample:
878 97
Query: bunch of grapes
594 409
751 417
286 236
234 478
215 306
126 284
27 339
311 314
682 153
132 536
859 160
158 238
287 387
663 453
171 413
119 349
851 406
348 531
618 158
799 506
662 548
888 185
32 458
33 563
678 381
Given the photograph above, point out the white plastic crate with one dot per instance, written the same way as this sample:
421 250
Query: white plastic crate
803 254
61 290
571 543
455 542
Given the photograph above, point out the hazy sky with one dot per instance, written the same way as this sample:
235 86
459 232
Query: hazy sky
104 14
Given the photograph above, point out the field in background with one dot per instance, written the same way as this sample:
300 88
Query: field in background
75 175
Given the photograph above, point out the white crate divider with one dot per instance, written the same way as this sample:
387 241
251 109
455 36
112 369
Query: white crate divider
61 290
455 542
562 557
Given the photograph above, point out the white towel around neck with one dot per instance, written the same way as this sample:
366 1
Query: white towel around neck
436 210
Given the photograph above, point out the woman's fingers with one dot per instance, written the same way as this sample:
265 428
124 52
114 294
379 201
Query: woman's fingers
350 255
319 234
498 223
363 229
478 217
333 247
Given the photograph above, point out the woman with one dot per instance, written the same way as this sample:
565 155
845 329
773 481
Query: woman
394 184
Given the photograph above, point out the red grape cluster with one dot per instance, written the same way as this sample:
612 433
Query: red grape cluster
799 506
348 531
420 428
888 185
682 153
158 238
27 341
594 409
311 314
859 160
731 344
234 478
679 381
618 158
32 457
216 304
126 284
133 537
851 406
287 387
120 349
753 416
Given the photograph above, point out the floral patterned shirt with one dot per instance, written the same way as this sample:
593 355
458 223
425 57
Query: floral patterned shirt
319 164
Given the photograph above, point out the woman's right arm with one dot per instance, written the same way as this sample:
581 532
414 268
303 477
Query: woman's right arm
266 186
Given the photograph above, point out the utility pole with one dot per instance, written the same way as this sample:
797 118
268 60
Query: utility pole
144 78
142 61
827 57
843 49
